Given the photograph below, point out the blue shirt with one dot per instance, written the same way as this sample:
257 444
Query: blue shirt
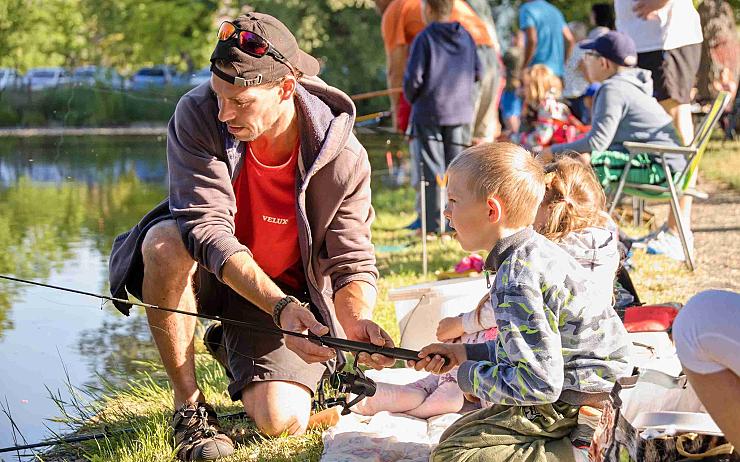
549 22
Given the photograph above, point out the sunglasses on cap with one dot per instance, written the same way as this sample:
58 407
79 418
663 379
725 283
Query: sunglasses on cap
252 44
249 42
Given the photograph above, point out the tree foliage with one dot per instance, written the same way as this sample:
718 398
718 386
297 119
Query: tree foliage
128 34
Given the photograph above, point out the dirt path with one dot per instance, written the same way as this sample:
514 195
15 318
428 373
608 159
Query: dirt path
716 226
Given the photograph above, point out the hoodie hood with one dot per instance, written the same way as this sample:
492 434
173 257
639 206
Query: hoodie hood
326 116
593 248
640 78
448 35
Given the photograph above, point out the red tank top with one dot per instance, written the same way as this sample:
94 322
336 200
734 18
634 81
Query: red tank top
266 217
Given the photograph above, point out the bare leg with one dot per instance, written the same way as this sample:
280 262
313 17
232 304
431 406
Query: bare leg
278 407
718 392
681 115
447 398
168 277
392 398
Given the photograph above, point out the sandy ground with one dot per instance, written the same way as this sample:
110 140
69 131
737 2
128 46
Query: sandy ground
716 227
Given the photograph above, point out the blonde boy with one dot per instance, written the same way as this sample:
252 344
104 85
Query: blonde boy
559 345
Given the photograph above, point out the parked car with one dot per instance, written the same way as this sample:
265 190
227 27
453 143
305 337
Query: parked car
200 76
47 77
97 75
157 76
10 79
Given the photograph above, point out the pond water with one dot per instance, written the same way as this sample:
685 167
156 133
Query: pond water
62 202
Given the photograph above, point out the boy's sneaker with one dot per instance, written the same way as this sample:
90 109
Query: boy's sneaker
197 434
668 244
213 340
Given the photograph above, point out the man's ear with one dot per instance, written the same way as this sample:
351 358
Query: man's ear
288 87
494 210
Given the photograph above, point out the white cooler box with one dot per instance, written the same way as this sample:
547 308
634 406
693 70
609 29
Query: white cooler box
419 308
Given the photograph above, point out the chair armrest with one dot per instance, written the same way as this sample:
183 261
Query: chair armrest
635 147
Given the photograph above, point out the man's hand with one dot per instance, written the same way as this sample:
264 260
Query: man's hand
364 330
297 318
646 9
433 357
450 329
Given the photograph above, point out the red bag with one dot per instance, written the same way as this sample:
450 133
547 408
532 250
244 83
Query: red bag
650 318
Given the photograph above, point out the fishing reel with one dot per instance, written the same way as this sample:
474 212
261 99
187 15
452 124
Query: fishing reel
345 382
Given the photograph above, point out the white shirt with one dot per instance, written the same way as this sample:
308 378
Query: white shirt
675 25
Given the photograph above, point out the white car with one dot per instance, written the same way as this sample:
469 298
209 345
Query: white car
41 78
10 79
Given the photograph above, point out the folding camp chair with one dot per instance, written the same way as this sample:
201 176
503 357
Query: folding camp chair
673 187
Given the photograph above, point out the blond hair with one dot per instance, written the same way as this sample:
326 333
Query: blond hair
542 83
575 198
507 171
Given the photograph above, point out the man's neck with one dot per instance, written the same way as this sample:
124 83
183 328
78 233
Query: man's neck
275 146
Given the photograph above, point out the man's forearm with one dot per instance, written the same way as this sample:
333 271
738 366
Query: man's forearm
245 276
354 302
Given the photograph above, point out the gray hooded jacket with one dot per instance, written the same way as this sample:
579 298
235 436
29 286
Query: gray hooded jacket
624 110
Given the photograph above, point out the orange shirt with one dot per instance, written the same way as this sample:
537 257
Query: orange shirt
402 21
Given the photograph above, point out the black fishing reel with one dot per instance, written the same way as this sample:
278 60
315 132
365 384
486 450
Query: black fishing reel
346 382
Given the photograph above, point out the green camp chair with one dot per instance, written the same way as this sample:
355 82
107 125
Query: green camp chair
673 187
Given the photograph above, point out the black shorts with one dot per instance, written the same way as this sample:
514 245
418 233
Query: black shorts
253 356
674 71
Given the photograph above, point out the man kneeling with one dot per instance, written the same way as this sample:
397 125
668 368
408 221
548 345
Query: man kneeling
268 222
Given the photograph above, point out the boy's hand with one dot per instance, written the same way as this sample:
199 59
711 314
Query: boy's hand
439 358
450 329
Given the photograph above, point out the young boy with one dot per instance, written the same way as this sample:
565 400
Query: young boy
560 345
625 110
439 83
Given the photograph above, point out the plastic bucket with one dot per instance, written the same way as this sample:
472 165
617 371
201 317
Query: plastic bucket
420 307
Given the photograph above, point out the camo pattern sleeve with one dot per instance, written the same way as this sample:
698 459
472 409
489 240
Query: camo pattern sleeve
527 366
556 332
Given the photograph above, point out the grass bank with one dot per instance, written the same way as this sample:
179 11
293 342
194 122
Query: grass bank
144 403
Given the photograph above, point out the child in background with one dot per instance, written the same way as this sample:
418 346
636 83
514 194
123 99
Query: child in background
572 214
439 82
559 346
548 119
511 98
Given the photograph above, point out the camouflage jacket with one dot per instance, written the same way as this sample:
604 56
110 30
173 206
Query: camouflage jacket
558 340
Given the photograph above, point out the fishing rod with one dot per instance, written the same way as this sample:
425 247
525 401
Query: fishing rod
350 346
384 131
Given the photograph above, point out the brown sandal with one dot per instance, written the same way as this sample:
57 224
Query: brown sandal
197 434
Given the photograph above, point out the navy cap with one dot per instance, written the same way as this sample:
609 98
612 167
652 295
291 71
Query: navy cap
614 46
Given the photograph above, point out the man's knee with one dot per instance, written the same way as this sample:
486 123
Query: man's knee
163 247
278 407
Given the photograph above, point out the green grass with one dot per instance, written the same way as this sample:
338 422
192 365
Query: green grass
721 162
145 403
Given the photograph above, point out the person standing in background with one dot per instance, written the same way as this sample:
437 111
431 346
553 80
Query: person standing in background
549 41
439 83
668 37
602 15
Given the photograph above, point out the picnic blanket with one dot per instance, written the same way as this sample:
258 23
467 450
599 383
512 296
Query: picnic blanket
385 436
